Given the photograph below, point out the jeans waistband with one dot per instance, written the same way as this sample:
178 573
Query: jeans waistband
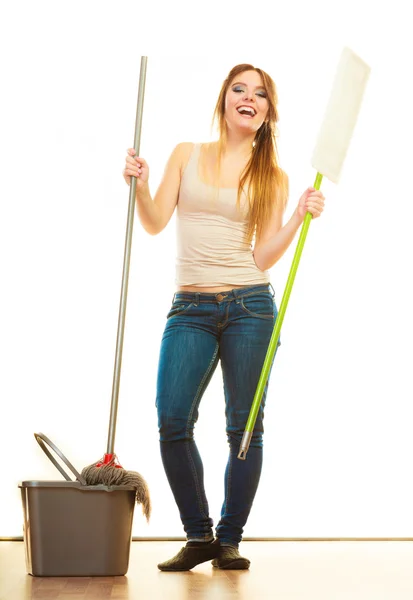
235 293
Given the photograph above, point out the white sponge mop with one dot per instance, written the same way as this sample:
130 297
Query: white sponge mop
341 115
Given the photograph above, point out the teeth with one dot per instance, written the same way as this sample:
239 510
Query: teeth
247 109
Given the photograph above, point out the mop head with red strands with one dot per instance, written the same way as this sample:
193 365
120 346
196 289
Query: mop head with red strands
109 472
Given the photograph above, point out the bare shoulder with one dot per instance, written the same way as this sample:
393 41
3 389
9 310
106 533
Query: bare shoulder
185 147
181 154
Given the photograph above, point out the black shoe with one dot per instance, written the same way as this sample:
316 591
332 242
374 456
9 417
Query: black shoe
229 558
194 553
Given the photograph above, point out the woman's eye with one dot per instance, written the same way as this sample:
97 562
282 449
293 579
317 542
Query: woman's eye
239 89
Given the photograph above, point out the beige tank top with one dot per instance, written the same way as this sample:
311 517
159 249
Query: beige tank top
211 246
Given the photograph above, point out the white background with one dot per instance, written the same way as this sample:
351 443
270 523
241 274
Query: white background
338 447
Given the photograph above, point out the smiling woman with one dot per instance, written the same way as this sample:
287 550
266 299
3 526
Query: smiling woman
225 193
253 135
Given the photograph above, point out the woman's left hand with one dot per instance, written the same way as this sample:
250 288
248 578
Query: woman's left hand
311 201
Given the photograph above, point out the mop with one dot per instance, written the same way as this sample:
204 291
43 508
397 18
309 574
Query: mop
328 157
107 471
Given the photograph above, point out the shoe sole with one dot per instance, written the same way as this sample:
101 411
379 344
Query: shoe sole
176 570
239 564
199 562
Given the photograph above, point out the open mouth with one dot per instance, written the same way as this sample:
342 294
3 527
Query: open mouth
247 111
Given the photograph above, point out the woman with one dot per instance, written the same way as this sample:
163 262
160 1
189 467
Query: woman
230 197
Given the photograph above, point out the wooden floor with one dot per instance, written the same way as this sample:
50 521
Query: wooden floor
279 570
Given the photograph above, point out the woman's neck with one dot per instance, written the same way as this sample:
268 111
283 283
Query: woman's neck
238 145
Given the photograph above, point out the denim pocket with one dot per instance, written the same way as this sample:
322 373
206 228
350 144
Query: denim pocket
178 308
259 305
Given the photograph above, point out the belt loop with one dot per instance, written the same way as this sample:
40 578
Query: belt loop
173 299
196 298
273 291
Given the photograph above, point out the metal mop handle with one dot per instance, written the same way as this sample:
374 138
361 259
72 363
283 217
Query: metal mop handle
249 428
126 263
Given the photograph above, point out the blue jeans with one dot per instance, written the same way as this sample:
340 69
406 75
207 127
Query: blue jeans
234 327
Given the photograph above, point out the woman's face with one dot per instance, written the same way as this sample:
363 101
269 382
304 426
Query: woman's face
246 103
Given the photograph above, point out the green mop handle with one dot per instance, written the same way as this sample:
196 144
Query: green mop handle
126 264
249 428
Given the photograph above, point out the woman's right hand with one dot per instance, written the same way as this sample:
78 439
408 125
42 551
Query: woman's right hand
136 167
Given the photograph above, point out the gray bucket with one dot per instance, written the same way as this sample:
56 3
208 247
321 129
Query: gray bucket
75 530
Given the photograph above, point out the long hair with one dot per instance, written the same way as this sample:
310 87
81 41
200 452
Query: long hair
267 184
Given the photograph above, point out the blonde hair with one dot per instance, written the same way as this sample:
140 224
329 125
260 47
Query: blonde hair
267 183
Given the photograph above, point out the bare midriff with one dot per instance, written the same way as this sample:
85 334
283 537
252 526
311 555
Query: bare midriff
209 290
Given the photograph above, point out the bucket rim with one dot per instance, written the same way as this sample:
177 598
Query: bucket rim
34 483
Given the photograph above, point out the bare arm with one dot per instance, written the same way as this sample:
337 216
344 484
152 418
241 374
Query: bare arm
270 247
276 238
155 214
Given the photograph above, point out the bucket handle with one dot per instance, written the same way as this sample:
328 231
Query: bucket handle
41 438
